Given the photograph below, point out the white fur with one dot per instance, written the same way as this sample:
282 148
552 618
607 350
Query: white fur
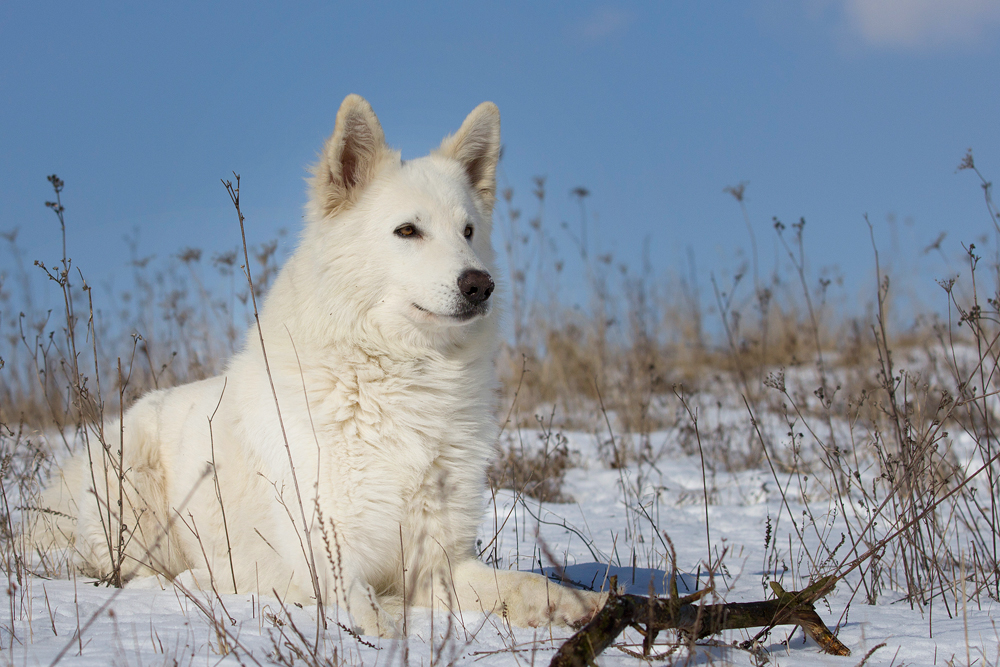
383 422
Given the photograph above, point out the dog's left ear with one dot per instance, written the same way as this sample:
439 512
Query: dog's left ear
476 146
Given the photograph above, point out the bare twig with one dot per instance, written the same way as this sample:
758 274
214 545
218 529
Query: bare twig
698 620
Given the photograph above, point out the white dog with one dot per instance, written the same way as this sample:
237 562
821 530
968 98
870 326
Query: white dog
343 454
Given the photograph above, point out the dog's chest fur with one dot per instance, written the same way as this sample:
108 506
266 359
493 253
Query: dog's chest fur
404 444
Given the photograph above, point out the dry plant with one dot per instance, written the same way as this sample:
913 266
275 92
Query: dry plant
536 469
892 432
52 394
908 457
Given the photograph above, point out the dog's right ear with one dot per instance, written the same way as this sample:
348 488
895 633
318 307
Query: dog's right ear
351 157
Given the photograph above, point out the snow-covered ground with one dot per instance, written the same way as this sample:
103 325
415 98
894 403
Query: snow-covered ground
621 523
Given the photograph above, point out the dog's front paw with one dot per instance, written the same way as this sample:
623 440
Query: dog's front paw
375 623
369 617
559 606
591 603
155 582
575 607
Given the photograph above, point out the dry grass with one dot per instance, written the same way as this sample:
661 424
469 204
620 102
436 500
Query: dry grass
893 430
876 422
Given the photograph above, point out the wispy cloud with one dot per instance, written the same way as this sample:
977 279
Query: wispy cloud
601 24
921 24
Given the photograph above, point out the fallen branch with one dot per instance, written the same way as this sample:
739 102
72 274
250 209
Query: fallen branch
698 620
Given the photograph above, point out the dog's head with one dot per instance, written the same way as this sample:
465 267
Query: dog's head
407 242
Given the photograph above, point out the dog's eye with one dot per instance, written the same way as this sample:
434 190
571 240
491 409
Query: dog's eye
468 232
408 230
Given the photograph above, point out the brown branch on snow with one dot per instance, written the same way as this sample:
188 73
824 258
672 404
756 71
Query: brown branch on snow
698 620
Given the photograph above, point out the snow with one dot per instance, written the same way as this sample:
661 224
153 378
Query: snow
623 523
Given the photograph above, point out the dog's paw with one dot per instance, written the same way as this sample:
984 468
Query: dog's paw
194 579
557 606
575 608
591 604
154 582
369 617
376 623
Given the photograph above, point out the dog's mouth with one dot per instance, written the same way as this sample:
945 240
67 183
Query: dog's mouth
460 315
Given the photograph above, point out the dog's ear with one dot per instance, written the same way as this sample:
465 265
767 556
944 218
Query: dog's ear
476 146
351 157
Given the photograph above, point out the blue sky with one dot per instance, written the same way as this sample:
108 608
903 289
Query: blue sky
828 109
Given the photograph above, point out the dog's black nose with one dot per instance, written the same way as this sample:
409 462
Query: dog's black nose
476 286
